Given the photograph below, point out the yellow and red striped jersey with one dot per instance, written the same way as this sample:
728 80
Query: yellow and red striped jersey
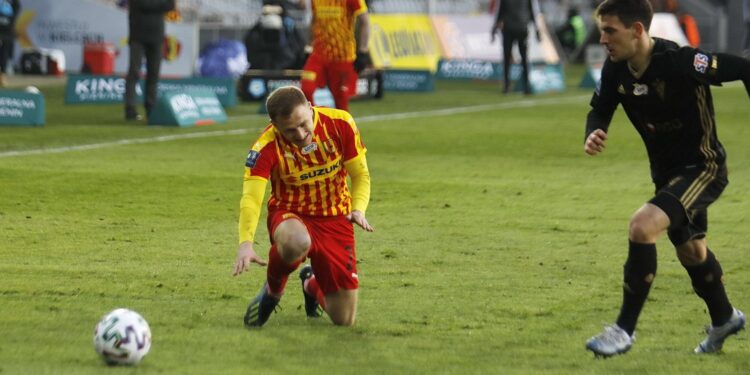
312 180
333 28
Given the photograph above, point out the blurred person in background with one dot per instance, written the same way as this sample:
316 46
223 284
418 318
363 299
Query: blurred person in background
9 10
512 19
146 20
746 15
340 32
572 34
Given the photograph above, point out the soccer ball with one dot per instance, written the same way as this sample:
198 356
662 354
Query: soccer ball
122 337
32 90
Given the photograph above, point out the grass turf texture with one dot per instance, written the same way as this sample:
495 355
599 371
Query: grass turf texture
498 244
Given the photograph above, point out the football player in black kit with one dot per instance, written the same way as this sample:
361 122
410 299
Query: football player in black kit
664 90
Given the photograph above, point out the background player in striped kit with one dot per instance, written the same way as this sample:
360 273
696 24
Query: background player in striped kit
340 30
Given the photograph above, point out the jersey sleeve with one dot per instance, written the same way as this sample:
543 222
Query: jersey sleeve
605 100
697 64
351 139
259 163
357 7
262 157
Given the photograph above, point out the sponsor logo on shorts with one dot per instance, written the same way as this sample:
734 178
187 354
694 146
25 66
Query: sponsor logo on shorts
354 275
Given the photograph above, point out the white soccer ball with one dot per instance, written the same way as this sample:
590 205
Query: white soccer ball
122 337
32 90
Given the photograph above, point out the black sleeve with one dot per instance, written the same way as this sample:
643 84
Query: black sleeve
714 69
731 68
604 102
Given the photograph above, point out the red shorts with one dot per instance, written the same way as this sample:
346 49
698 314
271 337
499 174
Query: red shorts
339 76
331 254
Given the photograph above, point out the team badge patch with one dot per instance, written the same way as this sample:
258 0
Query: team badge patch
700 62
640 89
310 148
252 158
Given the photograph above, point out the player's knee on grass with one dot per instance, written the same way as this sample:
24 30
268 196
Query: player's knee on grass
341 307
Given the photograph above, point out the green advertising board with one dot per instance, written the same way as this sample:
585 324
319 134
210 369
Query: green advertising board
100 89
21 108
408 80
189 108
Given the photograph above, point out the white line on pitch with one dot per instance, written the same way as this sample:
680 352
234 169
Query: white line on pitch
360 119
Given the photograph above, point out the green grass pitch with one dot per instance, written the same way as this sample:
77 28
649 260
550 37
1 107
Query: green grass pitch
498 246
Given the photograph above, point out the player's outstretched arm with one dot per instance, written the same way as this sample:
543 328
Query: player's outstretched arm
733 68
358 217
245 256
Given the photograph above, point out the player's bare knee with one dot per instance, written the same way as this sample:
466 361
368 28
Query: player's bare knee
344 320
640 231
294 246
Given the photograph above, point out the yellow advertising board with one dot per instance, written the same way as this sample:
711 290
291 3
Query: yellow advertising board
403 41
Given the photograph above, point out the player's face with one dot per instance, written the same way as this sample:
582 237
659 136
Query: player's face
298 126
620 41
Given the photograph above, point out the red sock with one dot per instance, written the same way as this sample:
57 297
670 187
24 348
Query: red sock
278 272
312 288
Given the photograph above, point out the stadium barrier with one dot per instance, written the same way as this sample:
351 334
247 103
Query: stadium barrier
52 24
187 108
255 84
469 53
22 108
99 89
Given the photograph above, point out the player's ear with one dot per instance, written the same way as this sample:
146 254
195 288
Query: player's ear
639 28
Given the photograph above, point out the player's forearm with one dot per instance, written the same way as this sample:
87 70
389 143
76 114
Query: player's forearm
596 120
732 68
360 176
363 32
253 191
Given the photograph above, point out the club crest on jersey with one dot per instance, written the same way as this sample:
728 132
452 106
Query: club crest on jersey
700 62
310 148
640 89
252 158
329 146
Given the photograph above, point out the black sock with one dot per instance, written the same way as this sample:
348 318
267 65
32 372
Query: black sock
706 278
639 272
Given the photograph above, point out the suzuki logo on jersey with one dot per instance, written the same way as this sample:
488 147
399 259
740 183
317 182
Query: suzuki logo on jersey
700 62
640 89
319 172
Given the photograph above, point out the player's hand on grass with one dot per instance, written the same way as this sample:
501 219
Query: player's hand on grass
595 142
245 256
358 217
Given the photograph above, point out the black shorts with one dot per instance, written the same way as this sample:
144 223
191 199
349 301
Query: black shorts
685 198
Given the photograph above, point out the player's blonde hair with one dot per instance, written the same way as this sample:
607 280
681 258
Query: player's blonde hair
283 101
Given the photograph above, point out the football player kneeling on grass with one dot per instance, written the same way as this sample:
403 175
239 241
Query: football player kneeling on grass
307 153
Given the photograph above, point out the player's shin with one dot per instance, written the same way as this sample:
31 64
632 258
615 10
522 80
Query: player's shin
313 288
278 272
639 273
707 283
